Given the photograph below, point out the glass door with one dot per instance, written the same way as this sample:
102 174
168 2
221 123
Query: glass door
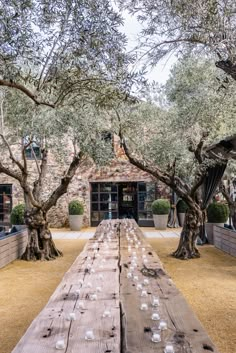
146 196
5 204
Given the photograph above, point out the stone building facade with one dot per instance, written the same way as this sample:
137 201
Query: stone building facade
117 190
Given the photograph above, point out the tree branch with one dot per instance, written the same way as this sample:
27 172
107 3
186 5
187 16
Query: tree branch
20 166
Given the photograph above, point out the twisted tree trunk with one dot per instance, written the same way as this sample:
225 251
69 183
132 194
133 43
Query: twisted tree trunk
40 244
187 245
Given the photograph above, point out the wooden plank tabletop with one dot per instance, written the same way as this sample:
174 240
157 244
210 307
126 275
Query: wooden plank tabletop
117 251
73 295
184 331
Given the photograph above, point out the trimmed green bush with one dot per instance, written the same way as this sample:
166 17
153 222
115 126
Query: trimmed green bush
76 208
217 212
182 206
17 215
161 206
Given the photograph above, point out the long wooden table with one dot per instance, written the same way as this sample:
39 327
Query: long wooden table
102 293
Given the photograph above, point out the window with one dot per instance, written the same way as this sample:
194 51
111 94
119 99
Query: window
34 150
5 203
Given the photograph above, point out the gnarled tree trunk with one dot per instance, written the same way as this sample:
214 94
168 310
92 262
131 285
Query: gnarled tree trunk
187 245
40 244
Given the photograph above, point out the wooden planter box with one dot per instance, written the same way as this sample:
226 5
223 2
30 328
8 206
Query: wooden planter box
12 246
225 240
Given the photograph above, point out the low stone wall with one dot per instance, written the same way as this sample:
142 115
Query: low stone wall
225 240
12 246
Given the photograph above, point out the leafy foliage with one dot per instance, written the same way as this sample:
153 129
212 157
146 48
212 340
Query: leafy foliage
182 206
160 207
217 212
17 215
76 208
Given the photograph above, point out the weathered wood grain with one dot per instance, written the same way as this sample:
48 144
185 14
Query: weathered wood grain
12 247
184 331
52 325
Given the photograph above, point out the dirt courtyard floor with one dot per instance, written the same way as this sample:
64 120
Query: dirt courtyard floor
208 284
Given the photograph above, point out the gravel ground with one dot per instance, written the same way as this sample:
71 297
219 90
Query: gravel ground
208 284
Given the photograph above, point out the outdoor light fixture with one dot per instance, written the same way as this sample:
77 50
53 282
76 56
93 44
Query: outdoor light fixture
89 335
60 344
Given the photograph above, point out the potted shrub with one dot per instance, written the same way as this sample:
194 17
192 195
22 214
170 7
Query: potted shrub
76 211
17 217
217 214
160 210
181 209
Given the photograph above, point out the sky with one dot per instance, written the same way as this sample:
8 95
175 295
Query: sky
131 28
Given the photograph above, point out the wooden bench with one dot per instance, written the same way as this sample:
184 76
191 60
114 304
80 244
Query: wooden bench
111 253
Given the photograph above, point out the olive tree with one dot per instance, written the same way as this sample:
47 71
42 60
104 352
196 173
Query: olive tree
172 141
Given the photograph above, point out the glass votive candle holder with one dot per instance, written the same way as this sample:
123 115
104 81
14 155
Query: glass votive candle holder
89 285
101 266
155 301
143 249
89 258
134 258
60 344
98 289
146 281
106 313
72 317
100 276
162 325
103 261
156 336
144 293
81 305
135 278
77 291
91 270
155 316
89 335
81 281
145 261
89 266
131 268
144 256
139 286
169 348
93 296
144 306
129 275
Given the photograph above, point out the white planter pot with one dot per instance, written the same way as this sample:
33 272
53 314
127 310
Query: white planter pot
181 219
76 222
160 221
209 231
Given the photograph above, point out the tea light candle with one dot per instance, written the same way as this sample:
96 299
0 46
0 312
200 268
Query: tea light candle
89 285
129 275
144 293
139 286
60 344
169 348
155 302
81 305
146 281
93 297
72 317
98 289
156 337
92 270
155 316
89 335
144 306
106 313
135 278
163 325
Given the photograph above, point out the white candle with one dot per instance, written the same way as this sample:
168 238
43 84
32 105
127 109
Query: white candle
163 325
135 278
145 261
146 281
92 270
72 317
77 291
144 306
81 305
131 268
129 275
60 344
139 286
98 289
106 313
156 337
144 256
155 316
89 285
155 302
89 258
93 297
89 335
169 348
144 293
